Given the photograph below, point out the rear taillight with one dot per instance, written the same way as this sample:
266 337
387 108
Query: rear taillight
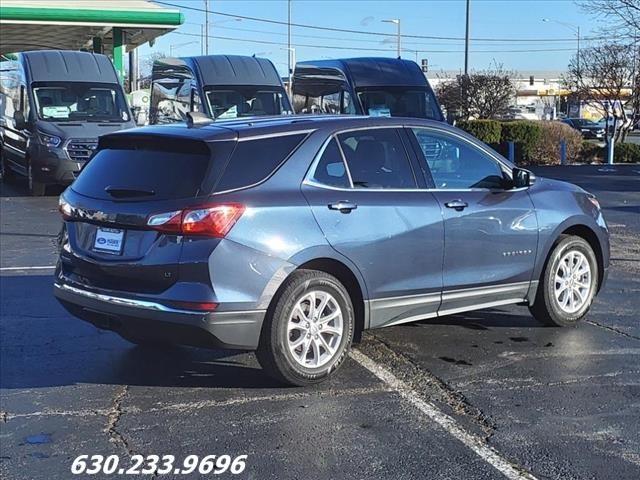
209 220
170 222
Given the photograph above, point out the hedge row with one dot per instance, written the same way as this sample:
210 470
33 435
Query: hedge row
536 142
626 153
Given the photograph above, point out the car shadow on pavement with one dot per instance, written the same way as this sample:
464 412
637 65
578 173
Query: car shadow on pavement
41 345
485 319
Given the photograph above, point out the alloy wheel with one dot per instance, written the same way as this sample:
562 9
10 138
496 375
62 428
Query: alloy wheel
572 284
315 329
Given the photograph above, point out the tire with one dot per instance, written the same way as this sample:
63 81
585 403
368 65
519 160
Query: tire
562 303
36 189
288 330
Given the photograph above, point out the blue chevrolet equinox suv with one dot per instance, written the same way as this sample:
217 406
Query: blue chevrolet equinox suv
292 235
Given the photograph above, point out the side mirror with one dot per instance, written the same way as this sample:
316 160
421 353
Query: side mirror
521 177
19 120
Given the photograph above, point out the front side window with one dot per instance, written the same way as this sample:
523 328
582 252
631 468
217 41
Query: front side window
80 101
399 102
233 102
331 170
377 159
455 164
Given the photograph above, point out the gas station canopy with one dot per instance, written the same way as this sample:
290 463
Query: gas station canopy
105 26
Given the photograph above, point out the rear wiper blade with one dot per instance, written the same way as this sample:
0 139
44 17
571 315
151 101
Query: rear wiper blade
128 192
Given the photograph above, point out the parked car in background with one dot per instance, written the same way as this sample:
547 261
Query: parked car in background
54 106
588 128
292 235
222 87
521 113
384 87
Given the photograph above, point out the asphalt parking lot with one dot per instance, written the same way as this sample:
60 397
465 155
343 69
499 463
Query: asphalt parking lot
472 396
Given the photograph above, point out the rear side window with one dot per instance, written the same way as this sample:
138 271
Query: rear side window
331 170
254 160
121 174
377 159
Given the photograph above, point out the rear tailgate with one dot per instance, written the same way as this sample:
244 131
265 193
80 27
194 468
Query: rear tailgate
107 243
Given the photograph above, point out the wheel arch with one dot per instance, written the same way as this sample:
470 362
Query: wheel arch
350 282
329 261
589 235
582 229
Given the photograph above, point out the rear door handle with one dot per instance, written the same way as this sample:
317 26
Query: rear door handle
457 205
342 206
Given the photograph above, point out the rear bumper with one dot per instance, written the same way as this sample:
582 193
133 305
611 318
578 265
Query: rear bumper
146 319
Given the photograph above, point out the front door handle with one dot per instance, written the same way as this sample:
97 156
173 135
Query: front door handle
342 206
457 205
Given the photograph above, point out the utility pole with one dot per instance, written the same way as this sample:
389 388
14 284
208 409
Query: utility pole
466 41
289 49
206 27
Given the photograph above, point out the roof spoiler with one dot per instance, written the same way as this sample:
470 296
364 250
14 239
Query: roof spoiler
197 119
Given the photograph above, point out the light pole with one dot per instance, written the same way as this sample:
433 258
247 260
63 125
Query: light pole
289 66
576 31
201 35
206 27
179 45
396 21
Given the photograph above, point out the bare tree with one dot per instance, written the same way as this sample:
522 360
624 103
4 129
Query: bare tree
621 19
602 78
482 94
621 16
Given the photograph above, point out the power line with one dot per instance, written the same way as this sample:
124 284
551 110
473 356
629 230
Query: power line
368 49
363 32
324 37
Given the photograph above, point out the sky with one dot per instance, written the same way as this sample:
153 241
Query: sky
507 21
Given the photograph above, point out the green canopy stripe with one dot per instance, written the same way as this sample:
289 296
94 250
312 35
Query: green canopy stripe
73 15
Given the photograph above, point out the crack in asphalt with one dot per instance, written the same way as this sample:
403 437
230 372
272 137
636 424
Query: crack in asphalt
53 413
501 384
612 329
117 410
425 382
187 406
113 416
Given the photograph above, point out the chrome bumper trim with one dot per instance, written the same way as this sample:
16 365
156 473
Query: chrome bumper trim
125 302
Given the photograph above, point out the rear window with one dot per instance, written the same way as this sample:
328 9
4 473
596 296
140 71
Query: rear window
254 160
142 174
152 168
